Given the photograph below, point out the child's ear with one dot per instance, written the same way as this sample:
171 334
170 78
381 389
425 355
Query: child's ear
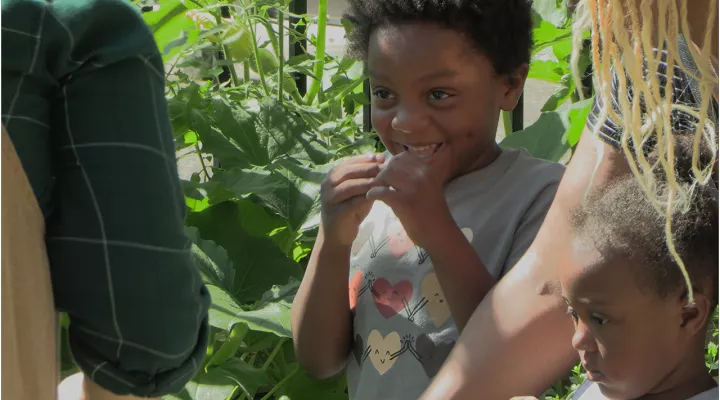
694 317
513 88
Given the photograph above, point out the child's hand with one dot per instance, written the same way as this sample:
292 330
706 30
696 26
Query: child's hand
343 197
414 190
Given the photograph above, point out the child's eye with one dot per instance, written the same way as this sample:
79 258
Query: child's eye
383 94
438 95
598 320
572 313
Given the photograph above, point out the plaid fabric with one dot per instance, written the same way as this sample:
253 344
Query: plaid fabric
83 102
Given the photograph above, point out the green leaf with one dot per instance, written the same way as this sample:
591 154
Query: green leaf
212 260
546 70
272 318
549 137
168 23
281 293
242 182
258 261
278 128
238 126
299 199
220 382
223 308
554 11
213 142
302 387
546 34
577 117
562 50
560 95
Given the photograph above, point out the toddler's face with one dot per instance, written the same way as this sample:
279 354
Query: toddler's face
435 95
629 339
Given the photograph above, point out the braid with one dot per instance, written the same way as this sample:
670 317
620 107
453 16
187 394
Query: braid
648 108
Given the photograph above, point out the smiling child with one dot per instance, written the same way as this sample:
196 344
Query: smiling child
411 242
636 334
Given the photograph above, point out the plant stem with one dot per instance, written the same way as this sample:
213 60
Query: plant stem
256 53
246 71
282 382
233 73
273 354
281 54
202 162
319 53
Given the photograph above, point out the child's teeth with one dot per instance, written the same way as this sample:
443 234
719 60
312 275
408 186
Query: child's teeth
423 150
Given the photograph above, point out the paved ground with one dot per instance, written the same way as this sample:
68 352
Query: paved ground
536 92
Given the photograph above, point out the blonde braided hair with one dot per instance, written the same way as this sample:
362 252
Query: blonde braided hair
622 39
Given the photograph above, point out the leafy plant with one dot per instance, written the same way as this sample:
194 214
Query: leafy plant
264 147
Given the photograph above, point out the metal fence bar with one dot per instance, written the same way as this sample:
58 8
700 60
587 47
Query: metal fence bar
299 47
367 121
516 116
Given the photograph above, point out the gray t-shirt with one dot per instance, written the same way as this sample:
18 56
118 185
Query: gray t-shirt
402 327
591 391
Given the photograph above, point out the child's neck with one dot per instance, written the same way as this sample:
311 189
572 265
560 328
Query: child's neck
690 378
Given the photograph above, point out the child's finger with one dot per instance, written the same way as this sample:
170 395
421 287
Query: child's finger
397 178
364 158
349 189
345 172
386 194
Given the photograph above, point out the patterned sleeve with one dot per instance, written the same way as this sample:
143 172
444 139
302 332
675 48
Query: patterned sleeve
685 90
83 100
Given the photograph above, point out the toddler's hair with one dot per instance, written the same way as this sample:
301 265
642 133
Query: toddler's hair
621 222
500 29
643 113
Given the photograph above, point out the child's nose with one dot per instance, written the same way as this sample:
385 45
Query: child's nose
583 339
409 118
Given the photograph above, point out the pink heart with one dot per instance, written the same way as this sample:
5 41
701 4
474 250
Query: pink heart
391 299
399 242
355 286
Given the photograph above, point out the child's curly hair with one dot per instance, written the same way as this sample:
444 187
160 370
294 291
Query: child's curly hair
621 222
500 29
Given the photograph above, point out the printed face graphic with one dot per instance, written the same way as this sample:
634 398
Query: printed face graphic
356 284
382 349
391 299
364 234
398 240
437 306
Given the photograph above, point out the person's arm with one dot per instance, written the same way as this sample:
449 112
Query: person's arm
83 95
321 324
459 267
518 341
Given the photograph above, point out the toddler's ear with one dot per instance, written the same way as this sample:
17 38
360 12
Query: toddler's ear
513 88
695 316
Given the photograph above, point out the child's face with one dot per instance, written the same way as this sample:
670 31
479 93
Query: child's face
435 95
629 339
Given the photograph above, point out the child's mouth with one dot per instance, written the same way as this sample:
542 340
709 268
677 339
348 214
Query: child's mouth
423 151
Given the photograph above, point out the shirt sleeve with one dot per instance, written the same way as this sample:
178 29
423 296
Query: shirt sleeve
83 96
533 218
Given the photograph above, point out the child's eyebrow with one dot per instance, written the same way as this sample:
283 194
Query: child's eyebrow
587 300
590 300
446 73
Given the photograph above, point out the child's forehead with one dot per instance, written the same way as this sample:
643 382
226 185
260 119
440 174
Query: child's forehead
418 37
588 271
